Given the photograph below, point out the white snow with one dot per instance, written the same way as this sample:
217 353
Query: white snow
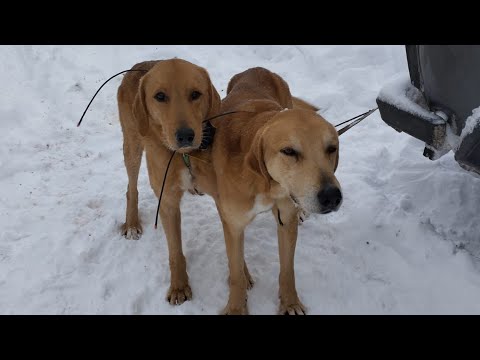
453 141
405 241
403 95
471 123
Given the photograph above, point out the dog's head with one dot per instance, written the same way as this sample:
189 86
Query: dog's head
298 149
176 96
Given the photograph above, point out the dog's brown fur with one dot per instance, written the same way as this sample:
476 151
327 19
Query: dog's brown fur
150 125
243 170
302 104
248 173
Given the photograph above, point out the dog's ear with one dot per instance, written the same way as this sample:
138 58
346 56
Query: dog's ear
302 104
283 92
255 160
336 160
139 109
215 101
213 96
233 81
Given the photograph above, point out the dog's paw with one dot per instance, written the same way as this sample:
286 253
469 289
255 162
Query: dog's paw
295 308
231 309
179 296
132 232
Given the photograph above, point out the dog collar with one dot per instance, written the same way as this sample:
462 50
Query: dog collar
186 160
208 135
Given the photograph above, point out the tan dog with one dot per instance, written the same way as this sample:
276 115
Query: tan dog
162 110
267 156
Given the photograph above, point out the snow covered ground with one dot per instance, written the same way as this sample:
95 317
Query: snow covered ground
406 240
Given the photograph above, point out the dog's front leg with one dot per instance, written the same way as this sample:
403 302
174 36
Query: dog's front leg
287 229
171 220
132 154
237 300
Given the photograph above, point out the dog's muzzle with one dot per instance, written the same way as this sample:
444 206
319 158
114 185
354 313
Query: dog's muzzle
330 199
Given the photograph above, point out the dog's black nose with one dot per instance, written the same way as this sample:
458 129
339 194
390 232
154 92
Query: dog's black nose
185 137
330 198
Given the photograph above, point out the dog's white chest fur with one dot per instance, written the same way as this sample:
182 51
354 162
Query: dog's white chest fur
260 205
186 180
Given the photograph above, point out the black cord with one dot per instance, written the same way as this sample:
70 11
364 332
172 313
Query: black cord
227 113
121 72
365 114
360 118
213 117
161 192
355 117
168 166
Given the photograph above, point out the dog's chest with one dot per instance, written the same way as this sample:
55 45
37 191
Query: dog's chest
261 204
187 182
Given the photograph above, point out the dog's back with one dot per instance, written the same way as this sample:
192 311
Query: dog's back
302 104
255 89
256 84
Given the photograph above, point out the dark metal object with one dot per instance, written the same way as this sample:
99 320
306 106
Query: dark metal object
448 76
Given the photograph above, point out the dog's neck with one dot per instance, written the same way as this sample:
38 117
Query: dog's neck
244 132
208 135
234 138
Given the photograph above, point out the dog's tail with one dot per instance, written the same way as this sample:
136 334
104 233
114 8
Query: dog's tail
302 104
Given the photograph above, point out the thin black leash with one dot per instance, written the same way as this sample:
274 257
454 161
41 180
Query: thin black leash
227 113
357 119
353 118
341 131
100 88
161 192
210 129
171 157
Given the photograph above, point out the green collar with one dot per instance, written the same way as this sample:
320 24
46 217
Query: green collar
186 160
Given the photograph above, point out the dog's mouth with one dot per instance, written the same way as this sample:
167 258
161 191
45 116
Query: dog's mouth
303 213
208 133
295 201
186 149
299 206
175 147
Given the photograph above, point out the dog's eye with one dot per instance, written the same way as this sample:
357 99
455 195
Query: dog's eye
160 96
195 95
289 151
331 149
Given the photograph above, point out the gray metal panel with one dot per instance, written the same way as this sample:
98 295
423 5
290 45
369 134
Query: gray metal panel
414 125
412 60
450 77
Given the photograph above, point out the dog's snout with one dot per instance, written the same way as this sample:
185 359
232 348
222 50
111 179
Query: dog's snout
185 136
330 198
